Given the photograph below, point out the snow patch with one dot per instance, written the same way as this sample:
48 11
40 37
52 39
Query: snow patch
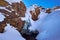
12 1
5 9
1 17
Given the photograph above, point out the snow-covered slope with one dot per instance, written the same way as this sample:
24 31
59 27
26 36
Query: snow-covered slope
10 34
48 26
1 17
36 23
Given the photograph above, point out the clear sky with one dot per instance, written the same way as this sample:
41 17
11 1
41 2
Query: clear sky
44 3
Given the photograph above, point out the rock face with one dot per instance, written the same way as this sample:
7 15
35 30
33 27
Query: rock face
35 13
36 10
13 13
2 26
57 7
48 10
3 3
19 8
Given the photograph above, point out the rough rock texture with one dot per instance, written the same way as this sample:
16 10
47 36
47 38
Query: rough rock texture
12 14
2 26
57 7
48 10
19 8
35 13
30 36
3 3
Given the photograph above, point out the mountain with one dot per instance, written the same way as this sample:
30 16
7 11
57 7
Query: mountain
16 19
10 21
47 24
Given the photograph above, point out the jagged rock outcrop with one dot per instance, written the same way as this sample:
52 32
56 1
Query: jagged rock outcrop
13 13
57 7
48 10
36 10
35 13
2 26
3 3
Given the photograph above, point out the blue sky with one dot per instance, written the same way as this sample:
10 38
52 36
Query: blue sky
44 3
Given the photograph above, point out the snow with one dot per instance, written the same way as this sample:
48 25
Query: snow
33 7
10 34
5 9
12 1
1 17
41 16
48 26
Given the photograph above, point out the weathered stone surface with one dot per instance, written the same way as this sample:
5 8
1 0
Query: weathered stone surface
35 13
57 7
16 10
2 26
19 8
3 3
48 10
